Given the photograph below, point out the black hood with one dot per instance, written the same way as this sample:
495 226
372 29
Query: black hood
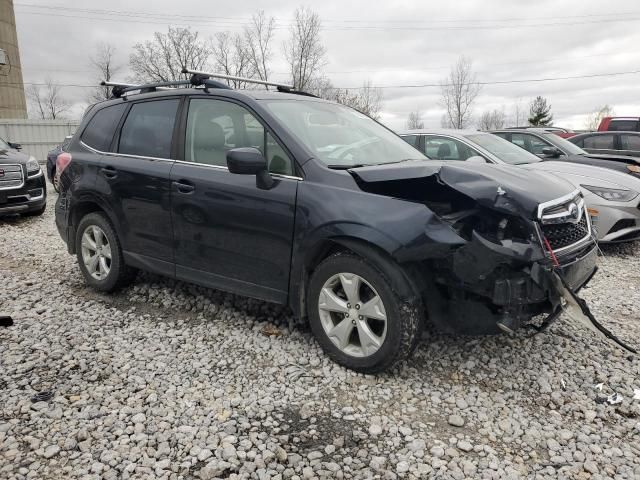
607 156
13 156
506 188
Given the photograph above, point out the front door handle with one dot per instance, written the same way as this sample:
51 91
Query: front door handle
109 172
182 186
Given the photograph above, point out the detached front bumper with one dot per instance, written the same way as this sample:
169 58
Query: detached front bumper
32 196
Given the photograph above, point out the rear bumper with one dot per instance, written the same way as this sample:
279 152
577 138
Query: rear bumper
30 197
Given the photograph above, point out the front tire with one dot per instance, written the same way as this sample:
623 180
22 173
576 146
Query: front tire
357 318
100 254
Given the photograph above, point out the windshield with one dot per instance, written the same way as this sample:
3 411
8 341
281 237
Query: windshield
503 149
4 145
563 144
339 136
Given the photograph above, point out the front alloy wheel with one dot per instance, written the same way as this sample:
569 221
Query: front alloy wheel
357 317
352 314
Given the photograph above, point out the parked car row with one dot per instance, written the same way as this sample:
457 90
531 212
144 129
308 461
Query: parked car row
612 196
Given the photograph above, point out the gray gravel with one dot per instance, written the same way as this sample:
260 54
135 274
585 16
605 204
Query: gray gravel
169 380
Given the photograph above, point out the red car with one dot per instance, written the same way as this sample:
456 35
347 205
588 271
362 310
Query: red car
620 124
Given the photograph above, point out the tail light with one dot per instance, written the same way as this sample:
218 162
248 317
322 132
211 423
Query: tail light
63 160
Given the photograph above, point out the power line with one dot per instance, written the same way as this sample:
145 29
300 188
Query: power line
227 22
200 17
425 85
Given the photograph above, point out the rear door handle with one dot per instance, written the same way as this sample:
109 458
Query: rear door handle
182 186
109 172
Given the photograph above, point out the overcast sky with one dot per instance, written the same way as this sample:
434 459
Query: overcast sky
392 43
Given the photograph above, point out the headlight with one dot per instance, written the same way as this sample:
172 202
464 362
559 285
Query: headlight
612 194
33 167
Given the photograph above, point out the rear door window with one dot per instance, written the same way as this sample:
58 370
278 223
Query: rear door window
411 140
600 142
624 125
148 129
99 132
630 142
530 143
444 148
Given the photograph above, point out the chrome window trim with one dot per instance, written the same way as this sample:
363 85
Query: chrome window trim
22 177
218 167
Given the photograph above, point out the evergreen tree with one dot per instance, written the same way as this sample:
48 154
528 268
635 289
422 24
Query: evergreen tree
540 113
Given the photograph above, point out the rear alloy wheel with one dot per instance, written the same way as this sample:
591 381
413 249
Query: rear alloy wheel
357 318
96 252
100 255
56 181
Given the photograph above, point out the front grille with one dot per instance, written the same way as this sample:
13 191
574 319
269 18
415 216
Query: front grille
565 234
11 177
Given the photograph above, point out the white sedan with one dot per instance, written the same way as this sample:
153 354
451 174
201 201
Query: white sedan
613 198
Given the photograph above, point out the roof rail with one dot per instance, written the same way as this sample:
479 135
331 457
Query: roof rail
120 88
204 75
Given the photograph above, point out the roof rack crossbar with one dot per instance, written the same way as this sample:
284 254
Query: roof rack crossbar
282 86
155 86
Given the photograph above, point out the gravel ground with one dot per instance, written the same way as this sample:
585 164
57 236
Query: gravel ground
169 380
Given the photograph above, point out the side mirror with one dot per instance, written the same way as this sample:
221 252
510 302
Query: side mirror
476 159
250 161
551 152
15 146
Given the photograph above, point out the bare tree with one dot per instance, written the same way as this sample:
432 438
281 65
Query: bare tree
519 113
414 122
231 57
367 99
459 91
492 120
105 68
258 35
304 50
162 58
47 102
322 87
594 119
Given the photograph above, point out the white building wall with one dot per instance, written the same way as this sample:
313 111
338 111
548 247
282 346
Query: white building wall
37 137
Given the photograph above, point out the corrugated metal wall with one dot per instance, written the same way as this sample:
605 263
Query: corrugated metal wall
37 137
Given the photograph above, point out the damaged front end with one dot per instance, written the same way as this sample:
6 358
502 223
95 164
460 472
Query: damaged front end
514 234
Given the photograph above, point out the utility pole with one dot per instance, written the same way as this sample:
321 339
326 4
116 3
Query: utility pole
12 99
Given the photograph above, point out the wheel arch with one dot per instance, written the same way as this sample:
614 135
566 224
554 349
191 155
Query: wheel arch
80 209
403 282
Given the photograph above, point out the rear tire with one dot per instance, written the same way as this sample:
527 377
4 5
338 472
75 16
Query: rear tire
100 254
357 318
55 181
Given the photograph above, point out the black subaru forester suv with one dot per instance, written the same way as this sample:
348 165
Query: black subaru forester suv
292 199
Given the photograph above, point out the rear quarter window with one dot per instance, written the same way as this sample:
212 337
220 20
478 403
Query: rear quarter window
99 131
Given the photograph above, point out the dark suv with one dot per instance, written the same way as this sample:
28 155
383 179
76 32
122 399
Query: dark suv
292 199
22 185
